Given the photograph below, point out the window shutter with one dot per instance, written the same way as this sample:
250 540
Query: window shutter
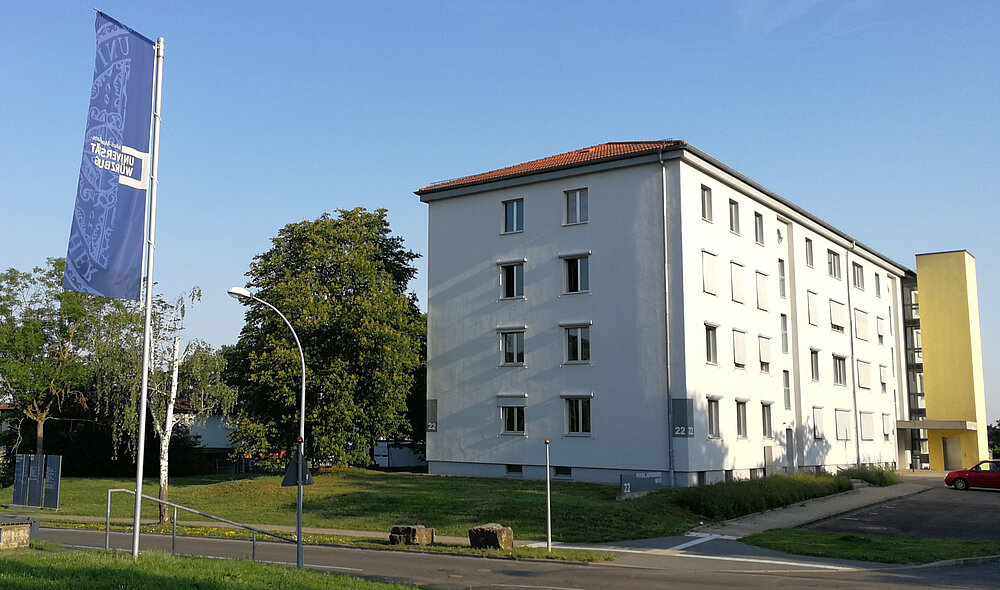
761 291
867 426
764 345
880 326
883 372
708 272
864 375
887 424
861 324
813 311
739 347
838 313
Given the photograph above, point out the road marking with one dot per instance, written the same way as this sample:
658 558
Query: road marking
767 561
698 541
538 587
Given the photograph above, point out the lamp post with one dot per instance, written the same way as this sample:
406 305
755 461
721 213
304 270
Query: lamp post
241 293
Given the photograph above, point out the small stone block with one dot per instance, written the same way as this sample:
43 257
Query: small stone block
14 535
416 534
491 536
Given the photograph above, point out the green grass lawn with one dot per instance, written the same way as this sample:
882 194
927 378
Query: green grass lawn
864 547
357 499
92 570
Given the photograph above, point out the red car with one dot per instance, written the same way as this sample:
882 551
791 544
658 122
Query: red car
985 474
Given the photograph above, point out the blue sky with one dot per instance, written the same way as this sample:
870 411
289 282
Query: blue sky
879 117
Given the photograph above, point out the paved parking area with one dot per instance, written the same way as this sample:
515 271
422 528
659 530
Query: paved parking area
938 512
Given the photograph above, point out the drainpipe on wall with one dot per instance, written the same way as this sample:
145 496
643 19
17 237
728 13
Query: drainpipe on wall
848 270
666 313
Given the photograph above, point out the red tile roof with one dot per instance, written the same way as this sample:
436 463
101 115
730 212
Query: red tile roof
604 151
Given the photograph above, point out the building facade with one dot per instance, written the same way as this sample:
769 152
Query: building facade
646 308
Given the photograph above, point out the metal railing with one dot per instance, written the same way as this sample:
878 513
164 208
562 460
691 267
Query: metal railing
173 534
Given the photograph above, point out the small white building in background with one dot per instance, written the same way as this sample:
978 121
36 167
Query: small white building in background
647 308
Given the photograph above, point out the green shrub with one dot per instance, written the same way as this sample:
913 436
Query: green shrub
877 476
731 499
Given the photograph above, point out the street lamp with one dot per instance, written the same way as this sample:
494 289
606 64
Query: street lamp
241 293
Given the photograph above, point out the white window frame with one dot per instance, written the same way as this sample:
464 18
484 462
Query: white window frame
858 276
581 335
765 420
706 203
711 344
833 264
581 404
741 419
515 415
734 217
577 206
518 347
784 333
786 388
809 253
878 285
515 281
516 219
839 370
581 265
714 427
758 228
782 289
814 363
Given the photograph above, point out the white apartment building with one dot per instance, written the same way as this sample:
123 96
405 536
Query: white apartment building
646 308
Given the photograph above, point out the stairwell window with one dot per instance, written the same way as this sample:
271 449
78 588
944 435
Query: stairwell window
706 204
741 419
714 430
809 253
758 228
734 217
711 345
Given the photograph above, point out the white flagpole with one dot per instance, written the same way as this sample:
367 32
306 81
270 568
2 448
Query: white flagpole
147 337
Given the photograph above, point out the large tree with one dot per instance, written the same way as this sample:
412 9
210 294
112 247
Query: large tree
45 337
341 281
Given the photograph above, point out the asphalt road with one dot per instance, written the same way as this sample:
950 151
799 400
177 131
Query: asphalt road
939 512
717 564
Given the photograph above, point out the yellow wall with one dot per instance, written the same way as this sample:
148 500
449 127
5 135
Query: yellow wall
952 353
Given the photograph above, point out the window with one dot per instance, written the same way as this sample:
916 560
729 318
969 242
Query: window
838 316
706 203
513 216
883 372
713 419
741 419
764 349
858 275
739 348
817 422
577 344
814 363
576 206
708 272
833 264
880 330
513 419
861 324
784 333
765 420
839 370
734 217
761 291
842 422
736 277
809 253
514 470
578 274
562 471
578 415
888 425
781 279
512 348
711 345
878 287
786 385
812 309
758 228
512 280
864 375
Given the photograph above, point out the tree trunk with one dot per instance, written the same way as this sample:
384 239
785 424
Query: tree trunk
39 435
168 427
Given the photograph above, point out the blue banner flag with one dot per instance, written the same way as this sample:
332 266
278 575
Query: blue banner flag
109 219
